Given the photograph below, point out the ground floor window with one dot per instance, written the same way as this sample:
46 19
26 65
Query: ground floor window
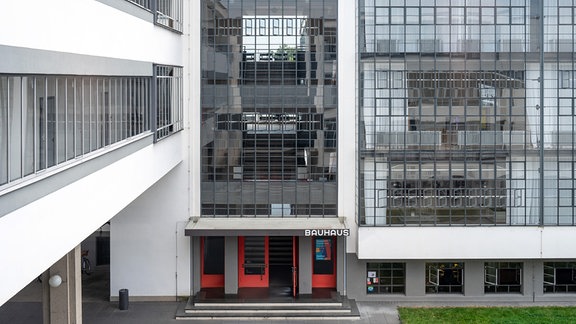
444 277
385 278
560 277
503 277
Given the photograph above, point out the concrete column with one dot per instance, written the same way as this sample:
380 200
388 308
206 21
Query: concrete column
474 278
415 278
538 275
231 267
529 276
305 265
195 258
63 304
340 264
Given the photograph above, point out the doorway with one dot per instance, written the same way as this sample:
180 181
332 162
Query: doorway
268 262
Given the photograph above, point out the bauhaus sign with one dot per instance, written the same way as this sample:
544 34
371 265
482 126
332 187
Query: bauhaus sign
327 232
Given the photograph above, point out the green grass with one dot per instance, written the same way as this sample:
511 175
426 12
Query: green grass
531 315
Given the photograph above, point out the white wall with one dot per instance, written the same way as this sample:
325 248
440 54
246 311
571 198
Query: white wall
458 243
86 27
149 253
35 236
347 117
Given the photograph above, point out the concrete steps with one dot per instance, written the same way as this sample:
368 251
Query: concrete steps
335 308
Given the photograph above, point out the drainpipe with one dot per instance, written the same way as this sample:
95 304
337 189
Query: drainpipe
541 78
345 273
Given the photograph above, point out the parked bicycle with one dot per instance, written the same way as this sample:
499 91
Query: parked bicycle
85 263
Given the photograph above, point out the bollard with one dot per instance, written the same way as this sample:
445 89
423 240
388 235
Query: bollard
123 299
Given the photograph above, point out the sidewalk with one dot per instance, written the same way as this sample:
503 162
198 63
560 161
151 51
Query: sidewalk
26 308
163 313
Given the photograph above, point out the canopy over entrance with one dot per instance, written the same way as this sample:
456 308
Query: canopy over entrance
199 226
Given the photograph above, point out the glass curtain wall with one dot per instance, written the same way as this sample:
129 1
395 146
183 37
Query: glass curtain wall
48 120
455 121
269 108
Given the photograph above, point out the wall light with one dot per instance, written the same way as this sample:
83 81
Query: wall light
55 281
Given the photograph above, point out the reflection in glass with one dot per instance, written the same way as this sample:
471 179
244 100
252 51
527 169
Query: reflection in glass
269 108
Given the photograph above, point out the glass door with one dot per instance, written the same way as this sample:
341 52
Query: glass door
253 261
324 262
212 264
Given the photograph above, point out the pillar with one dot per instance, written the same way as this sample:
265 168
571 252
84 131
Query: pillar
231 265
63 304
474 278
305 265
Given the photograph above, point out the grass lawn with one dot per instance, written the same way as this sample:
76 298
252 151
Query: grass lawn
531 315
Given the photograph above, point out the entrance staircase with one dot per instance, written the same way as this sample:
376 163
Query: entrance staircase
331 306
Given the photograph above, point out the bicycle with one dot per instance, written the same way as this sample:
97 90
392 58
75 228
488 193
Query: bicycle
86 266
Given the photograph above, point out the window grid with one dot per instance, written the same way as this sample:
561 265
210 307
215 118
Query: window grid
169 100
269 109
445 277
168 13
460 134
50 120
503 277
385 278
560 277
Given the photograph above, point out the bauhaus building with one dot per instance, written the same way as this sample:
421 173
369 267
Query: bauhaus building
406 150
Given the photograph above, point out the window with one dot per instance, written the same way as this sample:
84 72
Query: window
385 278
444 277
503 277
168 13
58 118
269 112
169 106
566 79
560 277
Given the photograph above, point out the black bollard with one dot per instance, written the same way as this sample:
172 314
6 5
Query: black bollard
123 299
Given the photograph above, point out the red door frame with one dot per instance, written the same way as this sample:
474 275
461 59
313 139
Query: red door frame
324 280
252 280
294 265
208 280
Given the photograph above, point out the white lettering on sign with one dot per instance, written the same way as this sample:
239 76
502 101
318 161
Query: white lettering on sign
327 232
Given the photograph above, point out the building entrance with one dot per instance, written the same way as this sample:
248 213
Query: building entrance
268 261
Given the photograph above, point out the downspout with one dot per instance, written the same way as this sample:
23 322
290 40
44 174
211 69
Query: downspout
541 79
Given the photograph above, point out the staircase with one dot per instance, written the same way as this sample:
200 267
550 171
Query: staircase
333 307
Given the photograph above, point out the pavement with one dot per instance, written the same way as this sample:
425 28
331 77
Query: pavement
164 313
26 308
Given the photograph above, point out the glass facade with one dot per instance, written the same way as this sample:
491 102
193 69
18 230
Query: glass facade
466 112
503 277
385 278
560 277
48 120
269 108
444 277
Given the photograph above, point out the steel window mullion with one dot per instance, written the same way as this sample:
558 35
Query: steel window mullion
36 117
154 102
45 123
56 106
22 128
8 131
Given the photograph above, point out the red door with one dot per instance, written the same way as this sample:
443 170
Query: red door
212 262
253 261
324 262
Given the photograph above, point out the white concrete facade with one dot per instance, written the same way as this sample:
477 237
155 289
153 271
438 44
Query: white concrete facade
35 235
150 195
